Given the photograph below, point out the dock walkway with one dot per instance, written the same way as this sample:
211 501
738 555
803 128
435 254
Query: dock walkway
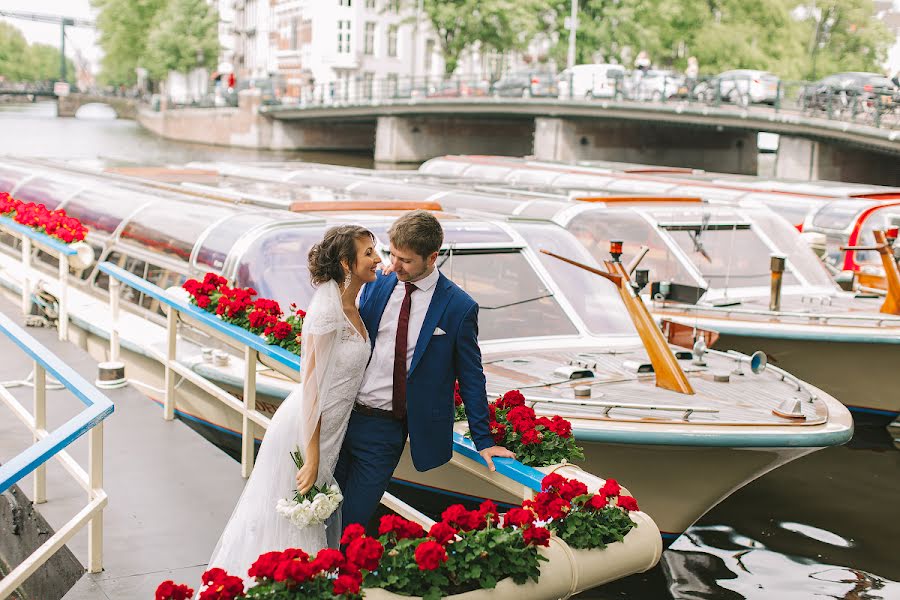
170 491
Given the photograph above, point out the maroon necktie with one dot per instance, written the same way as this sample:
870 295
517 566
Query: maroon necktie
399 402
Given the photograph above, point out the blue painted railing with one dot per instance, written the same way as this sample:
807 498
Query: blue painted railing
525 475
97 407
42 238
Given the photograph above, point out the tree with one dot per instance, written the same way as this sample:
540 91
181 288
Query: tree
184 36
43 64
845 36
123 27
13 53
499 25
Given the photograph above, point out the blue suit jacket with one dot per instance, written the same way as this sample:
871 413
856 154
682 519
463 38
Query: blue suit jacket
438 362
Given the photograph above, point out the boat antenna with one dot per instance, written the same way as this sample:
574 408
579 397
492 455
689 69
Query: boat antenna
669 374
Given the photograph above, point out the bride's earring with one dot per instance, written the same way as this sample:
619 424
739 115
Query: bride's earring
347 280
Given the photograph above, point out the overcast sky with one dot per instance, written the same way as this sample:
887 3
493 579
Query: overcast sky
45 33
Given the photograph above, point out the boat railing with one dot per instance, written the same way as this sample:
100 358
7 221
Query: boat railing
53 444
606 407
31 276
817 318
510 475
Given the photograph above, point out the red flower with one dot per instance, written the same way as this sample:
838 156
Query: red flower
352 532
265 565
430 555
511 399
327 559
531 437
488 507
296 571
628 503
227 587
400 527
442 533
572 489
552 481
282 330
365 552
294 554
168 590
611 488
203 301
346 584
518 517
498 432
536 536
597 502
561 427
212 575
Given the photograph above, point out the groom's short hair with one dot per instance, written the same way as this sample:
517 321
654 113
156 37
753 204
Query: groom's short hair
418 231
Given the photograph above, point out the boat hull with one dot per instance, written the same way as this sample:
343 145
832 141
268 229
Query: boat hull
863 376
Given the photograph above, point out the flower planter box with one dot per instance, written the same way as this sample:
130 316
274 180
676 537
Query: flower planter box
569 571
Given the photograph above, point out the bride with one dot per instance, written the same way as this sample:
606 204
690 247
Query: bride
314 416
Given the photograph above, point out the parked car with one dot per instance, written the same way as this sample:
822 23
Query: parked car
265 85
592 81
456 88
846 91
526 84
656 85
740 86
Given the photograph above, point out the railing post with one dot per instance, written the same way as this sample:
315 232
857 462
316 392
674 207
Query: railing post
95 478
26 280
40 422
171 333
63 297
114 290
248 428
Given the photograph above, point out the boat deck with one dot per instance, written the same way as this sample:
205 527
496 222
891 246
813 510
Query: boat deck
166 530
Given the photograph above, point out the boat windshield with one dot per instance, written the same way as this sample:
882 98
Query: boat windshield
838 215
10 176
882 219
594 299
49 192
214 249
596 228
514 302
154 228
727 254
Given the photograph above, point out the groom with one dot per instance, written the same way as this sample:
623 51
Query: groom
424 334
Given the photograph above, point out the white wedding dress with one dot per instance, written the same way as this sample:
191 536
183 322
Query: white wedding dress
333 360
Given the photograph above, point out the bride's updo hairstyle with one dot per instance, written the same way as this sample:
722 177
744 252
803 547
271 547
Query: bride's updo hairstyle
339 244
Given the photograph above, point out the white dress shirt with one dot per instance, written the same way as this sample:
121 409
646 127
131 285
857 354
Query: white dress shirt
377 389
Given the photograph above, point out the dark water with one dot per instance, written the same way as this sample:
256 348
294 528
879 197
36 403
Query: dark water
824 526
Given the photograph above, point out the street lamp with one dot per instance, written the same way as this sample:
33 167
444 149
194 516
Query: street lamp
573 26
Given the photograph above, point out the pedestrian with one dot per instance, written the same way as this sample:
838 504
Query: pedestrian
691 73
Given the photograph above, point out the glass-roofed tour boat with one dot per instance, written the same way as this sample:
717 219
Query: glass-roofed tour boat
556 331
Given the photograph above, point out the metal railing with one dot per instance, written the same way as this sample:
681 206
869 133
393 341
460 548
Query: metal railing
31 276
52 444
511 476
878 108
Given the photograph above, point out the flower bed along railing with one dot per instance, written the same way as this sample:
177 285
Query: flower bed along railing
55 223
467 550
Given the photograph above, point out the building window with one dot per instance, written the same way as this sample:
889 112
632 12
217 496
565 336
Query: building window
429 53
295 26
343 45
344 2
394 6
392 87
370 4
369 47
392 41
367 85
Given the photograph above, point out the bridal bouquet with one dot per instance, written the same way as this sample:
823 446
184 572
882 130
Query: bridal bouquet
313 507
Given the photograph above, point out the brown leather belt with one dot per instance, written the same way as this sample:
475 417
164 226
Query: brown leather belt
373 412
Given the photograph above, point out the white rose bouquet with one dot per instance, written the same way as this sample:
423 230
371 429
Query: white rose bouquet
313 507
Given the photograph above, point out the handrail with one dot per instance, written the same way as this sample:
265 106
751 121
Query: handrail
823 318
512 469
53 444
63 250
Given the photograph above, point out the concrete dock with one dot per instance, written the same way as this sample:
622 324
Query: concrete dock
170 491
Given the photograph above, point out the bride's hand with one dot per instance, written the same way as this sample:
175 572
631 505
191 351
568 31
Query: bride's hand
306 477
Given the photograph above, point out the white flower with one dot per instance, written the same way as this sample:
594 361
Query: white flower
310 512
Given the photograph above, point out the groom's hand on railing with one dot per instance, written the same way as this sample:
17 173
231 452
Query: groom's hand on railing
488 454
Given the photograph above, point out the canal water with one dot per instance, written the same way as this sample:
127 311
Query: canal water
824 526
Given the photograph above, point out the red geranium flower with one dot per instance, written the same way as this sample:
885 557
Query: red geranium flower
442 533
518 517
430 555
537 536
168 590
552 481
598 501
511 399
531 437
327 559
346 584
611 488
352 532
628 503
560 426
365 552
572 489
400 527
265 565
227 587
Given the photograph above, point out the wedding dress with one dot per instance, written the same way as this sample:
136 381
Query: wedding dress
333 359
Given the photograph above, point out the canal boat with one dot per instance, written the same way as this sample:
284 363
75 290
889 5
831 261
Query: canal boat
558 332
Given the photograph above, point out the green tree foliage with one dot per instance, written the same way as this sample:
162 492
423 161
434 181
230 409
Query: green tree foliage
845 37
184 36
123 27
21 62
499 25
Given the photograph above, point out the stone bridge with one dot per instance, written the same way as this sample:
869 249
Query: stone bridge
67 106
714 138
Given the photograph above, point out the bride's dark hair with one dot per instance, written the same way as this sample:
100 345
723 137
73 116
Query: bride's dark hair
339 244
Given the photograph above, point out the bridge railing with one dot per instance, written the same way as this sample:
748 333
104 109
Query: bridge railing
865 105
52 444
512 476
